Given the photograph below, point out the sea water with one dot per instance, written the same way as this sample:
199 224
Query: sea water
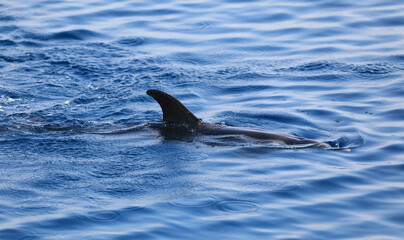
332 71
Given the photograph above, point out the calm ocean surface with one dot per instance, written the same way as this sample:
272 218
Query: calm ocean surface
327 70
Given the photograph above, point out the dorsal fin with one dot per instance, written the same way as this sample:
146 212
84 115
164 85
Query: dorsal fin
173 110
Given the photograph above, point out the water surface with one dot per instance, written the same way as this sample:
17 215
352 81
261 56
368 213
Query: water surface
324 70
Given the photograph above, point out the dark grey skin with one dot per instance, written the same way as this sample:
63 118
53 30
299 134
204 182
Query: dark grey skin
174 112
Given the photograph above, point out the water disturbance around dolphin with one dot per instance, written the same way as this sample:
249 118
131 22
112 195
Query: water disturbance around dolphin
176 114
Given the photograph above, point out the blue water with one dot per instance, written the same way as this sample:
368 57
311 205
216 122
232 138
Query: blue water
327 70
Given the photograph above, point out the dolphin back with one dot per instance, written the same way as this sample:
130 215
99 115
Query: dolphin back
173 110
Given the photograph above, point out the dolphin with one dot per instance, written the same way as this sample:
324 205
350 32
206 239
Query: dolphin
176 114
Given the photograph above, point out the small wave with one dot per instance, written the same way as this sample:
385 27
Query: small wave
327 185
101 216
392 21
325 19
325 50
14 193
332 4
65 222
8 29
263 48
324 32
374 68
395 114
7 43
288 186
394 148
7 18
236 206
272 117
250 76
363 71
259 18
105 173
244 88
345 96
230 40
398 58
133 42
78 34
193 27
21 233
317 66
29 56
190 58
31 44
283 31
396 21
128 13
194 202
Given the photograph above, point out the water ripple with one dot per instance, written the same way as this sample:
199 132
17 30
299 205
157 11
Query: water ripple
78 34
194 202
101 216
133 42
236 206
325 70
